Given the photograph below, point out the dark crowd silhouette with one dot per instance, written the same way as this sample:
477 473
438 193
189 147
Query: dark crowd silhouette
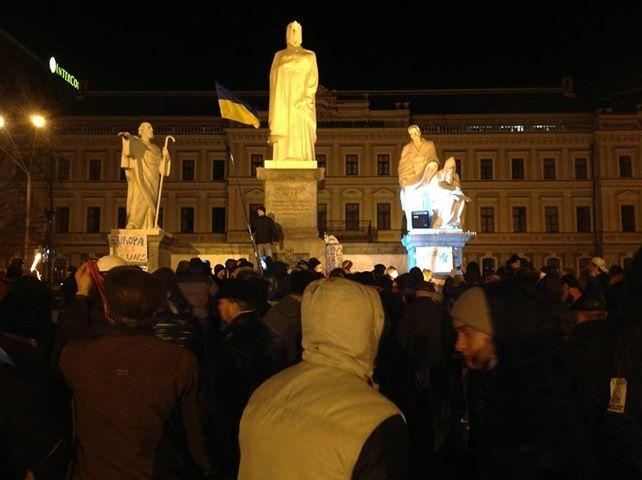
289 373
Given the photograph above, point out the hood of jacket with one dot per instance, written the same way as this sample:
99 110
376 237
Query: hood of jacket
342 322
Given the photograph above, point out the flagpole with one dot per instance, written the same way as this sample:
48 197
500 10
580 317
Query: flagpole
245 215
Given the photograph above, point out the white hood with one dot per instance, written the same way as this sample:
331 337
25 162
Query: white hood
342 322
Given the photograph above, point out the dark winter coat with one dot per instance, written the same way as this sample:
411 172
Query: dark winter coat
136 406
524 423
285 318
265 230
249 353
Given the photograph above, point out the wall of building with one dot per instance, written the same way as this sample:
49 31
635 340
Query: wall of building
475 140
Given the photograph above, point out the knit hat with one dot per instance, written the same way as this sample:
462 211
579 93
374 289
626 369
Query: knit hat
473 310
600 263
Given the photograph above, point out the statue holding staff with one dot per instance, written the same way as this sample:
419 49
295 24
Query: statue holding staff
144 163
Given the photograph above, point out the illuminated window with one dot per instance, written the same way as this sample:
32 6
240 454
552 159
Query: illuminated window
583 218
94 169
218 169
256 161
187 220
626 168
581 168
628 218
517 168
322 217
551 219
383 164
64 167
188 170
519 219
352 216
487 217
352 164
549 168
486 169
383 216
93 220
218 219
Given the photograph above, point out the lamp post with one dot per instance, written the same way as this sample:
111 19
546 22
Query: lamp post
39 122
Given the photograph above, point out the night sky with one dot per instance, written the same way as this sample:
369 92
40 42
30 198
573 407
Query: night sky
357 48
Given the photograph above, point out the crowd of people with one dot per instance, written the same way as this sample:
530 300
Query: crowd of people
288 373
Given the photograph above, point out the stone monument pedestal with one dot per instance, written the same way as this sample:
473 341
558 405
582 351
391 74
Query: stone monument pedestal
438 250
291 194
150 249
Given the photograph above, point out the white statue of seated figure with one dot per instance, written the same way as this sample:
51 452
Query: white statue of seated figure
447 201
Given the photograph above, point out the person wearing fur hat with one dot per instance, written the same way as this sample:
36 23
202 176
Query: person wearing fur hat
323 418
523 421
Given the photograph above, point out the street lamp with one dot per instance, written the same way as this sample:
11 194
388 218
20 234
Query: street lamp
38 121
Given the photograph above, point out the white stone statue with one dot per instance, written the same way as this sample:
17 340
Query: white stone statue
418 164
447 201
144 163
294 79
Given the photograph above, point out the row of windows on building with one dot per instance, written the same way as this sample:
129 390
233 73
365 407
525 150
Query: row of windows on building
94 170
486 168
551 219
352 218
93 219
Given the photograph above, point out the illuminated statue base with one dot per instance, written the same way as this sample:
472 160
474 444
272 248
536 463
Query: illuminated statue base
291 195
149 249
290 164
438 250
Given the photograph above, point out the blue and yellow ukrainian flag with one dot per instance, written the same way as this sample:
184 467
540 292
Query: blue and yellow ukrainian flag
233 108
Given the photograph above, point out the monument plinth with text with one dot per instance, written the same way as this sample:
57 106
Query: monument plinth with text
437 250
149 249
291 194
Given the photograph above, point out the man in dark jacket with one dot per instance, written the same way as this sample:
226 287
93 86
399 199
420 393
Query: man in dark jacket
591 355
136 396
523 422
265 233
426 338
249 353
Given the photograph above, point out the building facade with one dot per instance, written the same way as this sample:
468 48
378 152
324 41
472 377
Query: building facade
556 188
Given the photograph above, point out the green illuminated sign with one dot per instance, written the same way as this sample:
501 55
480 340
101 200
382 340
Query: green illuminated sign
62 73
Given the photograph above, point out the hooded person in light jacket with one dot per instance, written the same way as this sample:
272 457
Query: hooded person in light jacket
323 417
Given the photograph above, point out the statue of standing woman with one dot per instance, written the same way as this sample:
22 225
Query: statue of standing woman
294 79
143 162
